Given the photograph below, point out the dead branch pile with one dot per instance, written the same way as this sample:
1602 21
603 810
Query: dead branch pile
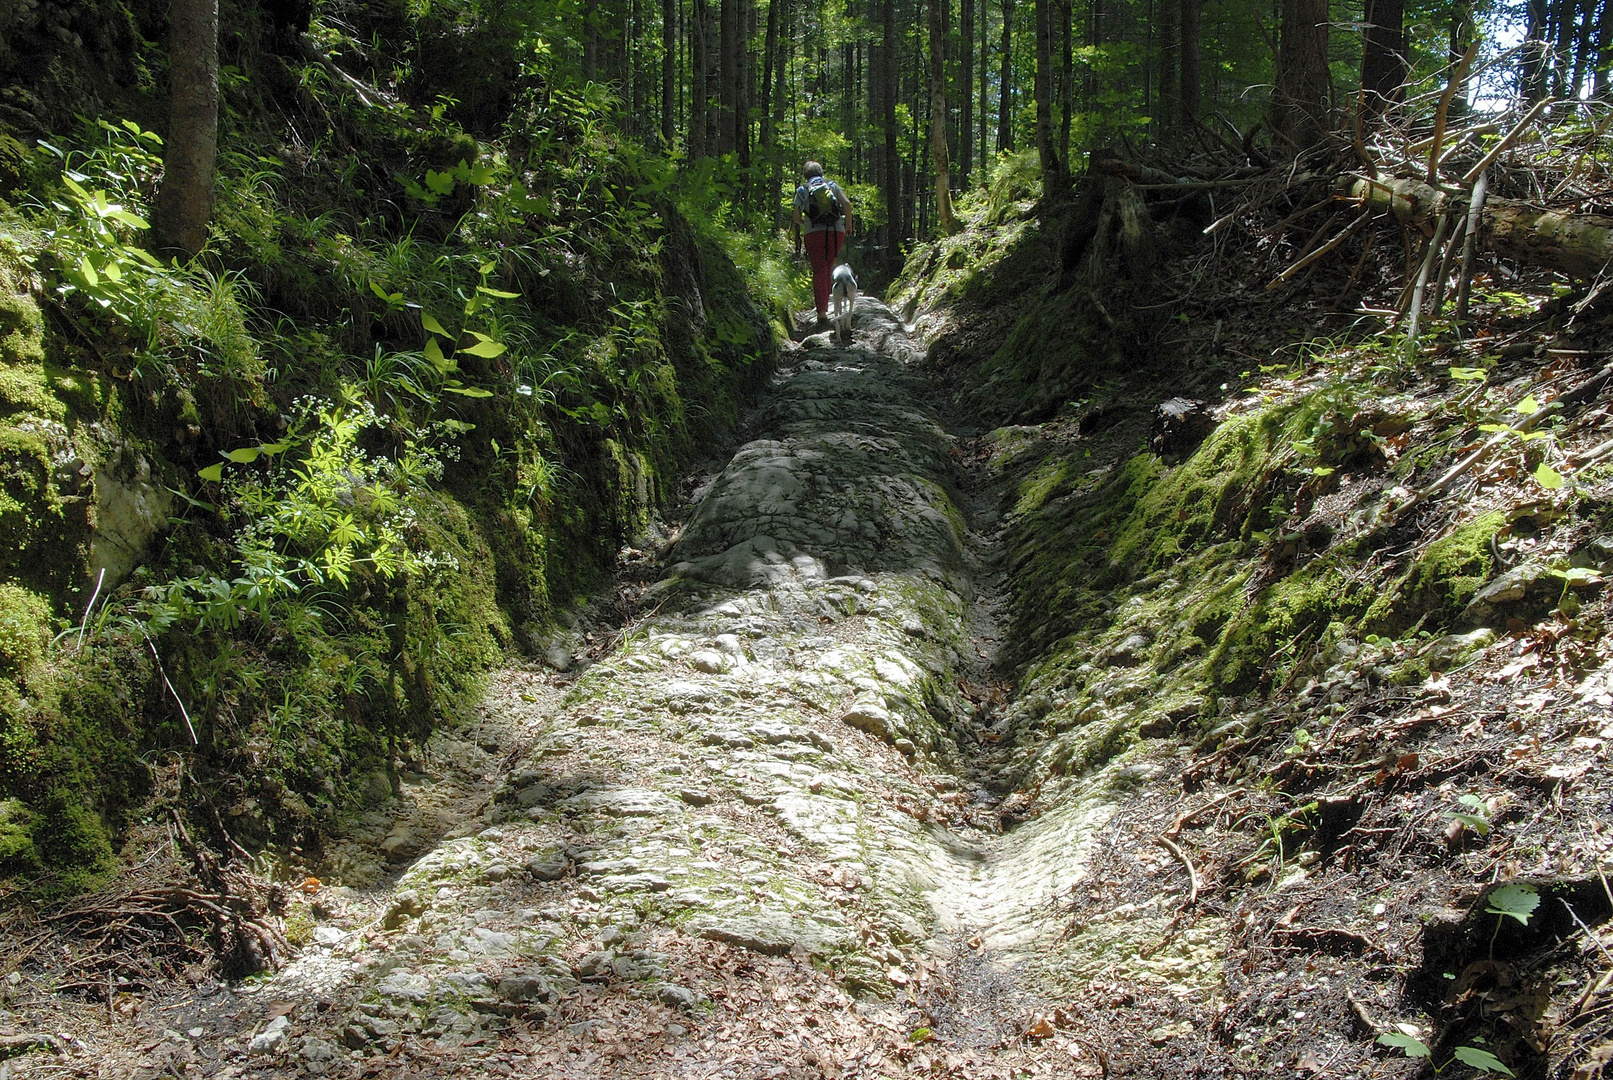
183 907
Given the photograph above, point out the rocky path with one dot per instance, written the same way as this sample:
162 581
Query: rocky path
759 838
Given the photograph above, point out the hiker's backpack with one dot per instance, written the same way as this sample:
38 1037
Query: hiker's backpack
823 209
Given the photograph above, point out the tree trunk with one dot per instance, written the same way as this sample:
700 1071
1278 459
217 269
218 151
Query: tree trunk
769 59
1579 245
938 118
893 177
1005 85
985 76
698 68
669 71
1170 57
1563 56
966 91
1066 80
1604 50
727 73
1046 152
1190 62
185 202
1383 58
1532 57
1461 38
745 79
1301 98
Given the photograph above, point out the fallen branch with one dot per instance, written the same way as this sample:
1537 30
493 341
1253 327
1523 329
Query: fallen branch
1192 873
1579 245
1348 231
12 1045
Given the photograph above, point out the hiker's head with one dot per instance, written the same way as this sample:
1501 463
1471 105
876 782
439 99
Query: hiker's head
811 169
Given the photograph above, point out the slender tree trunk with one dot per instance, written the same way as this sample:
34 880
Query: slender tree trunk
590 40
1383 58
185 201
1563 56
1583 45
966 91
1604 50
938 118
985 75
1170 66
1301 98
669 71
1190 62
1532 57
893 176
727 73
699 62
746 81
1046 151
769 61
1005 85
1066 79
1461 38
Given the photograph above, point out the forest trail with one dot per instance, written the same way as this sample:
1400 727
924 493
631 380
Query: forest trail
761 837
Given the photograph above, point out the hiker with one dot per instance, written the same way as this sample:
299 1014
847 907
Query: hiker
823 214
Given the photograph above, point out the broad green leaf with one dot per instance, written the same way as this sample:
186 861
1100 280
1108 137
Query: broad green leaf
215 473
500 293
1495 427
1476 802
1527 406
144 256
486 349
1478 824
377 290
1322 470
1413 1048
1481 1059
1548 477
73 186
1469 374
246 455
275 447
439 183
1517 901
469 391
134 221
86 270
112 273
438 360
432 325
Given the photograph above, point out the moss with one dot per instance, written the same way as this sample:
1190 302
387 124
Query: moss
1270 636
1443 580
17 851
22 329
24 632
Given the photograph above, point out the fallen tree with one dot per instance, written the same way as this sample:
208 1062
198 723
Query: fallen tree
1579 245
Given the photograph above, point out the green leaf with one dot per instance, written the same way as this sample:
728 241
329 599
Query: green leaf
134 221
1322 470
1548 477
1495 427
275 447
1478 824
1469 374
1517 901
1481 1059
439 183
486 349
245 455
73 186
1527 406
1476 802
378 291
215 473
469 391
1413 1048
438 360
432 325
86 270
500 293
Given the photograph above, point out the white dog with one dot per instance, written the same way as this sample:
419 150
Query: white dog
843 291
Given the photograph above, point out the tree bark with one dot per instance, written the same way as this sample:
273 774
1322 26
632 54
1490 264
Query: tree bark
1532 57
1301 98
1383 58
1170 58
938 118
892 179
1042 82
1066 80
185 201
1579 245
727 73
1005 85
699 63
966 91
669 71
1190 62
1461 38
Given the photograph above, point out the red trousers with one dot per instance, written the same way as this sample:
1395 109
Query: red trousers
823 248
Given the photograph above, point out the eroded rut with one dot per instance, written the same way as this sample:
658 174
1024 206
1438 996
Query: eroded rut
761 837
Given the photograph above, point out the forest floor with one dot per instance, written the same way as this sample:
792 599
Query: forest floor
764 827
